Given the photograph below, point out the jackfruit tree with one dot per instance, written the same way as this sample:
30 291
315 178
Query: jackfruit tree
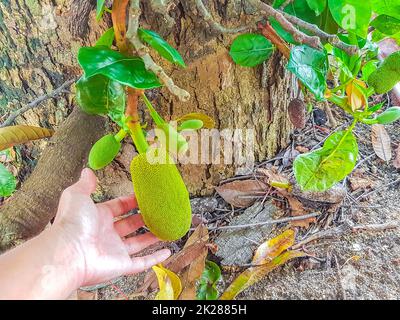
224 63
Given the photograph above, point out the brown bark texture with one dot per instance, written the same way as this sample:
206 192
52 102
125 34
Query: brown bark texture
38 45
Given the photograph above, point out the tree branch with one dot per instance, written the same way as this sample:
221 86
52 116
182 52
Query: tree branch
35 103
142 51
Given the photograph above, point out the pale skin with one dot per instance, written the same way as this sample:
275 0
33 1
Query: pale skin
86 245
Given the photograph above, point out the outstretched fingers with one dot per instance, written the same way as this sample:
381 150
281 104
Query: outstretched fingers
140 264
119 206
128 225
140 242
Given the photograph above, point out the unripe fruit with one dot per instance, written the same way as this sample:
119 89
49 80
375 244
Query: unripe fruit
103 152
389 115
162 197
387 75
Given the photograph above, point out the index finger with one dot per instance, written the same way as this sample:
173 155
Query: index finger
119 206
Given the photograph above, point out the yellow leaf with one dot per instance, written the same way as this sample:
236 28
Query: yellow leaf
169 283
10 136
208 122
255 274
356 99
274 247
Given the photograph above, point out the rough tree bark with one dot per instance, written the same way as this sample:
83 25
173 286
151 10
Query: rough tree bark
38 43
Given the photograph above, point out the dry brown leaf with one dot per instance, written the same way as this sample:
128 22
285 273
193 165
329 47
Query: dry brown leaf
272 175
242 193
381 142
359 183
297 113
10 136
302 149
196 268
178 261
396 161
87 295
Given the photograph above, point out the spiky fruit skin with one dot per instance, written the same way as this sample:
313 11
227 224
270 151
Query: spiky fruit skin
162 198
103 152
387 75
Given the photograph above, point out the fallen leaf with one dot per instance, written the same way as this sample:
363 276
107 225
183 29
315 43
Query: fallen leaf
273 176
396 162
254 274
241 193
381 142
10 136
297 113
302 149
169 283
196 268
177 262
360 183
206 289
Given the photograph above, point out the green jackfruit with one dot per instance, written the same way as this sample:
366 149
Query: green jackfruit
387 75
103 152
162 197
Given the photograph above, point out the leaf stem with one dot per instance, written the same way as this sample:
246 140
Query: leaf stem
154 114
120 135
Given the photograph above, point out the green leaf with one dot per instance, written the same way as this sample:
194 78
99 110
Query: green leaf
386 24
250 49
206 289
100 95
390 115
352 15
317 5
368 68
106 39
376 107
388 7
323 168
386 76
8 183
129 71
161 46
311 67
100 9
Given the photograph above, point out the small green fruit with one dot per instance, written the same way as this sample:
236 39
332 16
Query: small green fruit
193 124
103 152
389 115
162 197
387 75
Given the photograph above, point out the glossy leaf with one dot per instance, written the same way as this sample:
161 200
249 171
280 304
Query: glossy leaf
352 15
206 289
7 182
106 39
168 282
250 50
100 95
208 122
190 125
387 75
368 68
311 67
100 9
13 135
390 115
386 24
317 5
161 46
126 70
321 169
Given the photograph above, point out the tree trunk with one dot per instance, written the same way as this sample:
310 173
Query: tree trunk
38 45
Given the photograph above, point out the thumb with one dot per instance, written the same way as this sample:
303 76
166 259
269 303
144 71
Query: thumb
86 183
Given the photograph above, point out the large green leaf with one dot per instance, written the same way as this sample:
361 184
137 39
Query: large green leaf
206 288
317 5
250 49
161 46
311 67
323 168
129 71
386 24
107 38
7 182
100 9
352 15
100 95
388 7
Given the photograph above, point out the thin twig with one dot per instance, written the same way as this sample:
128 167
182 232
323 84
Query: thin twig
142 51
35 103
250 225
378 189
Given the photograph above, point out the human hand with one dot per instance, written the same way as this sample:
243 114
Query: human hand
99 245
